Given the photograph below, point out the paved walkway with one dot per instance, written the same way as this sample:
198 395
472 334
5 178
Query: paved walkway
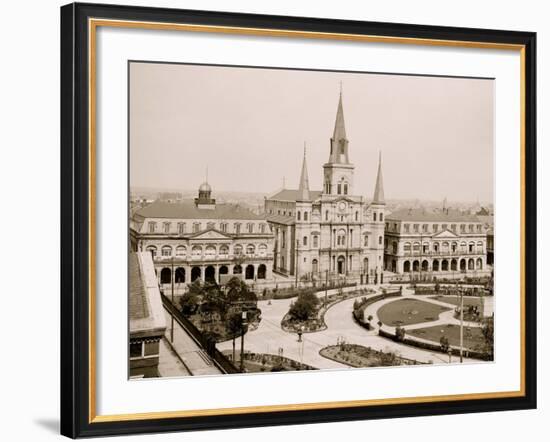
269 336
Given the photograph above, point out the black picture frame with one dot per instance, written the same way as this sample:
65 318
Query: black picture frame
75 221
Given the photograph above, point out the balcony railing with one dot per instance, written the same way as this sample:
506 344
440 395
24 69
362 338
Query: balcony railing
203 257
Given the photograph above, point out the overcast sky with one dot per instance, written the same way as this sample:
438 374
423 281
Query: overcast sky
248 126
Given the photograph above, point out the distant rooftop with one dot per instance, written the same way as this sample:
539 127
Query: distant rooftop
282 219
187 209
431 216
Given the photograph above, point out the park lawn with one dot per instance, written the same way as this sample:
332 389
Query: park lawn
473 336
468 300
409 311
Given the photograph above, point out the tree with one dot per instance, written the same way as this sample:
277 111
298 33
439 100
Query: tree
235 328
189 303
399 333
304 307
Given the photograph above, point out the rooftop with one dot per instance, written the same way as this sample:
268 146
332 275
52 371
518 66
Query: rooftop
431 216
144 305
294 195
187 209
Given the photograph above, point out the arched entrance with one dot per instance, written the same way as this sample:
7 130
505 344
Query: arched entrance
210 274
341 265
179 275
416 266
394 265
479 264
454 264
463 265
261 271
223 271
435 265
195 273
425 266
444 265
470 264
249 272
165 276
237 270
406 267
366 266
314 267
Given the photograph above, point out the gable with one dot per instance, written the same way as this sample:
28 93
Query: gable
211 234
445 234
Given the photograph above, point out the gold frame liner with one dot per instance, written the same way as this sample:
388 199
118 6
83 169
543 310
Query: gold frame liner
93 24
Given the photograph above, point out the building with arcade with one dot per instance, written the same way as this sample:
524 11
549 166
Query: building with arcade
200 239
445 243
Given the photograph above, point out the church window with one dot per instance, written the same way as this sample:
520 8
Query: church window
366 241
339 188
381 217
374 216
299 215
380 240
356 215
326 215
342 148
345 189
305 216
315 241
304 241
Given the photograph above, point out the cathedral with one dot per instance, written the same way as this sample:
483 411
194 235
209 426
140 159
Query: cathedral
334 233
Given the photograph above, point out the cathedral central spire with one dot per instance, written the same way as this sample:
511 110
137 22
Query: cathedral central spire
303 189
339 141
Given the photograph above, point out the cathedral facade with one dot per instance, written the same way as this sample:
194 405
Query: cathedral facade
332 233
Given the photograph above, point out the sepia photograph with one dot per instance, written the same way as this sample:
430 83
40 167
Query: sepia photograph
293 220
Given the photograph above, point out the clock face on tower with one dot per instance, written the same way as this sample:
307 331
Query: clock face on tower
342 206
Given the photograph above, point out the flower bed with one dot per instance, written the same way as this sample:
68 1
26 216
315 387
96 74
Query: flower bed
359 356
433 346
263 362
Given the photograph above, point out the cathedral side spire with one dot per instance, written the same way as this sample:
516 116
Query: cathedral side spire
303 189
379 188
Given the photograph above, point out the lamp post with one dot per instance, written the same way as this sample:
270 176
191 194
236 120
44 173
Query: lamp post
301 343
243 324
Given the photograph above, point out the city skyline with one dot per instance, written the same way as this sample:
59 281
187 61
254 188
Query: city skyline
257 120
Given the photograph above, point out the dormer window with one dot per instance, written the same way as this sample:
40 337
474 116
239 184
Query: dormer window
152 227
